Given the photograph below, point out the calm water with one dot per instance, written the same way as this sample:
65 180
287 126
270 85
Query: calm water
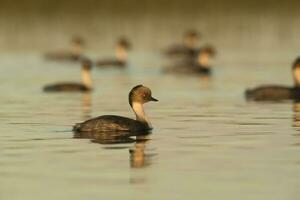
208 142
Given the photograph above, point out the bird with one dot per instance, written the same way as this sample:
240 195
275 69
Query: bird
199 64
112 125
278 92
85 86
75 52
121 52
188 48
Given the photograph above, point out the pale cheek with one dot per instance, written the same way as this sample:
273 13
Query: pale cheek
297 75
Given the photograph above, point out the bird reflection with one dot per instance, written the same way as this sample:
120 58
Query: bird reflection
86 105
112 137
296 109
138 158
205 81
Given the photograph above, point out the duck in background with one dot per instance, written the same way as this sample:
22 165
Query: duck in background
278 92
200 64
204 59
85 86
73 54
121 55
188 48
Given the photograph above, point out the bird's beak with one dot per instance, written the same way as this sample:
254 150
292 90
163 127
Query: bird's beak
153 99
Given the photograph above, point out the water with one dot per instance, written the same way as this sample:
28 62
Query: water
208 142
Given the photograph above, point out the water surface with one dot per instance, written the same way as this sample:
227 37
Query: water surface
208 142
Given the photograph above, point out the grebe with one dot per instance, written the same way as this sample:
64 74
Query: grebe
199 65
189 46
277 92
204 57
121 53
117 124
74 54
85 86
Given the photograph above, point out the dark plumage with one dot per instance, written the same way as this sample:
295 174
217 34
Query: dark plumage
189 69
124 42
273 93
66 87
181 50
111 123
62 56
111 137
111 63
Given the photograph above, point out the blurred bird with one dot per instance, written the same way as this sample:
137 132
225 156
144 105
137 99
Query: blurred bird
121 55
278 92
73 54
198 64
85 86
189 46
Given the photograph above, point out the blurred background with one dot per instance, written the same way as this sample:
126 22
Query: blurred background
208 142
240 30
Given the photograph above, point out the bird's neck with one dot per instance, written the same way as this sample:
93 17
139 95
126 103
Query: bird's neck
204 60
296 74
76 49
138 109
121 54
86 78
190 43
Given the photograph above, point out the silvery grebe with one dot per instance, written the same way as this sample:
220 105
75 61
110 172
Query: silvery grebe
121 51
112 123
73 54
277 92
189 46
198 65
85 86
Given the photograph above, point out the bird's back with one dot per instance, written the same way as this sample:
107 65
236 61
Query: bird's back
109 123
271 93
177 50
66 87
188 68
62 56
111 63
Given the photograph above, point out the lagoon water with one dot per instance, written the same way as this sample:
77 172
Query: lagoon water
207 142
